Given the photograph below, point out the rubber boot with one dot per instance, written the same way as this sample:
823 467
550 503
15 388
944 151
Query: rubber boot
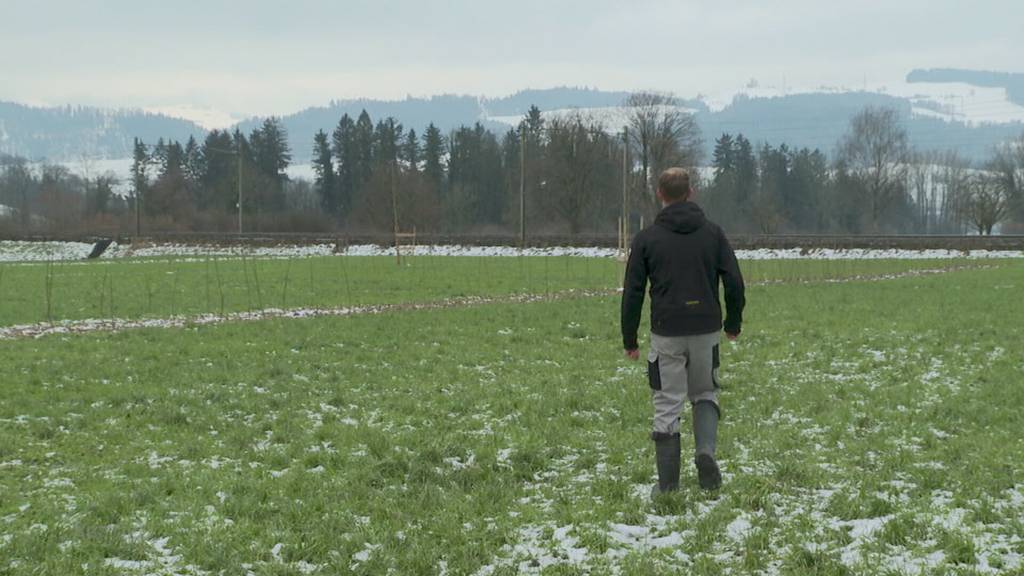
667 456
705 437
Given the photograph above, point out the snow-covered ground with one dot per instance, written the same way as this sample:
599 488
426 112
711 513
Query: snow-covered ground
958 102
71 251
951 101
873 254
209 118
43 251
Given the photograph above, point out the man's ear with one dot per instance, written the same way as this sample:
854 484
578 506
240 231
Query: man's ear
658 194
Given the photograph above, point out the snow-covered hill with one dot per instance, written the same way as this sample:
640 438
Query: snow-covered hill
949 101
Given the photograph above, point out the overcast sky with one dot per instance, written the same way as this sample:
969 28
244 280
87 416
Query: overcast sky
276 57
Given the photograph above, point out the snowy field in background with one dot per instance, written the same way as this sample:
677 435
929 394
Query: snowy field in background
956 102
11 251
950 101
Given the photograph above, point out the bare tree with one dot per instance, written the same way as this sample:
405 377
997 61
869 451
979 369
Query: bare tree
577 146
662 135
60 200
953 178
921 183
876 150
17 188
1008 166
989 202
766 214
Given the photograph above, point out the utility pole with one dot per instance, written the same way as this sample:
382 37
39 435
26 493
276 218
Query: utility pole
239 153
522 186
625 191
394 210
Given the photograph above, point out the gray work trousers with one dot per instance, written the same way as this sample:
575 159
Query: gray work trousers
680 368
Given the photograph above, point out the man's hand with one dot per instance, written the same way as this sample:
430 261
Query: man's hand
732 337
633 354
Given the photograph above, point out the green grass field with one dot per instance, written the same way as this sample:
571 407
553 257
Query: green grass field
155 288
870 426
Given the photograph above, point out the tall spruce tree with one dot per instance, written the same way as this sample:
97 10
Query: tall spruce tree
474 178
511 149
193 167
362 139
767 206
808 179
387 139
169 197
218 181
346 162
323 167
433 157
411 151
140 178
272 156
723 159
244 177
746 169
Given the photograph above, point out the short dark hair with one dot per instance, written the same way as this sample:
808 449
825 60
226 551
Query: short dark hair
674 184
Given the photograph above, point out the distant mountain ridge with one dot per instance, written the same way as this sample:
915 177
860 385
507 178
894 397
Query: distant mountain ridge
809 119
812 120
560 98
447 112
71 132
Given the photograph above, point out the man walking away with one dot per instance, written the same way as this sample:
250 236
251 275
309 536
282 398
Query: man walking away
683 255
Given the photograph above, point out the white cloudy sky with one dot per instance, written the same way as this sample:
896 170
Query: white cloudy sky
275 57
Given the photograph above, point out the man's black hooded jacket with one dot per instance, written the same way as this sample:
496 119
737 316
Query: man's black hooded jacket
683 255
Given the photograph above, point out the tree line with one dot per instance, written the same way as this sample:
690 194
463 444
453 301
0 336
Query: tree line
560 174
877 183
551 174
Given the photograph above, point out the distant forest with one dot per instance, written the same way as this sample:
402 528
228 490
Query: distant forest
74 132
563 175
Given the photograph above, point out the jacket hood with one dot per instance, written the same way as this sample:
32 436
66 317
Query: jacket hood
681 217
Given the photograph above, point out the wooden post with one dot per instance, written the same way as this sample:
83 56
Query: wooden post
622 241
240 186
394 211
522 186
625 191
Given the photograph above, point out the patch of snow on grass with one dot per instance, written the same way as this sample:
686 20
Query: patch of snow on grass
28 252
739 528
